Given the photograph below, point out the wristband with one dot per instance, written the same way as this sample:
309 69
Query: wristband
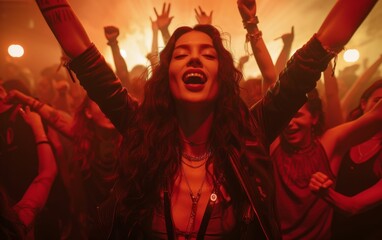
254 36
112 43
252 22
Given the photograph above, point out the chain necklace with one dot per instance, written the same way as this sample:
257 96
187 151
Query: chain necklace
368 154
195 200
194 166
193 158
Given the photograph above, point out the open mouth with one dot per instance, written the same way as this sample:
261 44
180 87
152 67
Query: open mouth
291 131
194 78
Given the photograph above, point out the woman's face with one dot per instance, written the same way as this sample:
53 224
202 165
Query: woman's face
94 112
298 133
372 100
194 68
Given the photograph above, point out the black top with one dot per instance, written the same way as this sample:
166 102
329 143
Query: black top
352 179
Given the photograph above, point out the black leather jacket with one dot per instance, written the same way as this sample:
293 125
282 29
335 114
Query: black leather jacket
253 168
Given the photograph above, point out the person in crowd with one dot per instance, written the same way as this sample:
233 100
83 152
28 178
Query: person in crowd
19 166
93 165
349 100
253 89
179 176
135 80
296 155
332 104
355 189
304 149
18 218
284 55
53 88
346 78
12 70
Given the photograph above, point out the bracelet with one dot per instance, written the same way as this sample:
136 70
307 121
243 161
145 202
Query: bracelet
112 43
43 142
254 36
252 22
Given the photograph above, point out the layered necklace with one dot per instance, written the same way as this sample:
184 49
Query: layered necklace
194 208
194 161
200 159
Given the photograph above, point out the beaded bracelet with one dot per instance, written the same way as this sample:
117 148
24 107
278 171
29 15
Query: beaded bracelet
252 22
254 36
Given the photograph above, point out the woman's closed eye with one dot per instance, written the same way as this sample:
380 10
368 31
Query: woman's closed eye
180 56
209 56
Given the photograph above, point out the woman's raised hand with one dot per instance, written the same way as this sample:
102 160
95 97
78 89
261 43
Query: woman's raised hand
202 16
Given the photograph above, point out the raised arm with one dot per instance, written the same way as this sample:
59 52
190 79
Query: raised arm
87 62
342 22
153 56
305 66
242 61
254 36
333 108
163 21
365 200
37 193
65 26
111 34
202 17
59 120
284 55
338 140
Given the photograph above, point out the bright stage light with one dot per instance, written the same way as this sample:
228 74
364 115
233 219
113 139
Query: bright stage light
351 55
15 50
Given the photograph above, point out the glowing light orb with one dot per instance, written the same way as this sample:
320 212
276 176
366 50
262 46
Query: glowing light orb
351 55
15 50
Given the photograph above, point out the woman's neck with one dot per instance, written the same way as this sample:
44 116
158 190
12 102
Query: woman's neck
195 127
298 148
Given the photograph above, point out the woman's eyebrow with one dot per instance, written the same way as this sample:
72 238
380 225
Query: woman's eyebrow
202 46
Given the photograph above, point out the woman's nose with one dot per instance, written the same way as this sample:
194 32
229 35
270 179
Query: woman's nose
194 62
291 122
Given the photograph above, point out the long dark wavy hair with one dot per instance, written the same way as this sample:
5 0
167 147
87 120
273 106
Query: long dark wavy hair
86 140
151 149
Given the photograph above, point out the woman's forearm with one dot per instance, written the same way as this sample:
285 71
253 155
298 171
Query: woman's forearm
342 21
65 26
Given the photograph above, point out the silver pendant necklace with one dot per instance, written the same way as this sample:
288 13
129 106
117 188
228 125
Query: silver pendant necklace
194 208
